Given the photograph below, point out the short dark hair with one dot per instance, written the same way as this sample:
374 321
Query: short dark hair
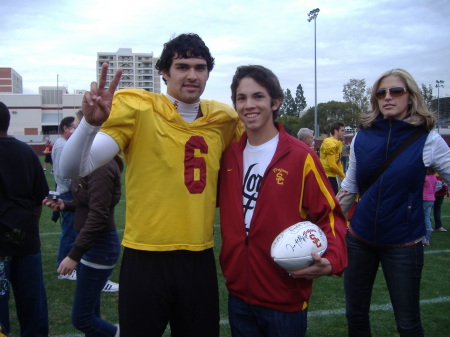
336 126
264 77
4 117
66 121
184 46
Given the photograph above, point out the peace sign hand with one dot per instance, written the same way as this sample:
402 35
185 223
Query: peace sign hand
97 103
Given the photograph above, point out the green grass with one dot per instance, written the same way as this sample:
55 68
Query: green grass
326 311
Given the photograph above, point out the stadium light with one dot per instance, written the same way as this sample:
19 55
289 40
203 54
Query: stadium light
312 15
439 84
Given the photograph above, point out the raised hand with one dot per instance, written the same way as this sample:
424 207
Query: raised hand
97 103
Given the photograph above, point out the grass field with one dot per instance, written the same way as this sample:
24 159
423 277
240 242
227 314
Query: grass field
326 312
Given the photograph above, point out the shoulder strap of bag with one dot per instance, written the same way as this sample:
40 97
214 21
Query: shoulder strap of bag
411 139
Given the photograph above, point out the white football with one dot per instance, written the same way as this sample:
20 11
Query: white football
292 248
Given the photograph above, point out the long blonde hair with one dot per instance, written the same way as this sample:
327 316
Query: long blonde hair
417 110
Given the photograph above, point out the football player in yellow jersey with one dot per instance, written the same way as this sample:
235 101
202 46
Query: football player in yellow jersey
172 144
331 153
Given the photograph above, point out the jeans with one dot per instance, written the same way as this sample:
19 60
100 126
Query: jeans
251 320
86 304
427 206
68 234
344 163
24 275
437 211
402 268
105 250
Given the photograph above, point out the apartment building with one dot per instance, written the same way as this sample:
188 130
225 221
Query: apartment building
138 69
35 117
10 81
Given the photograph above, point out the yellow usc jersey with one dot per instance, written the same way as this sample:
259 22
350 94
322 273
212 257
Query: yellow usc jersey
331 146
172 168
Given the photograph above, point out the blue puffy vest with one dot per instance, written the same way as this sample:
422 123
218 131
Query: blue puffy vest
390 212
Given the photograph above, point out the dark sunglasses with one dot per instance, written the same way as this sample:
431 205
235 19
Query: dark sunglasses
394 92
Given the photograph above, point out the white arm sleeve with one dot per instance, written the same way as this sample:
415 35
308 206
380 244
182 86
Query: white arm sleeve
86 150
349 183
436 154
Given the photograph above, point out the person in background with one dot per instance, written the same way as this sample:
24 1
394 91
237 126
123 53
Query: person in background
22 188
172 145
48 156
344 158
63 185
331 153
269 169
387 225
441 193
68 233
306 136
96 248
429 191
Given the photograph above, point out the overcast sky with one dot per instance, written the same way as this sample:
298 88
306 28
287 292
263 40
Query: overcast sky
355 39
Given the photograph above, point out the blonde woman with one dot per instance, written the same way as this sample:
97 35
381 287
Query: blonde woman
388 224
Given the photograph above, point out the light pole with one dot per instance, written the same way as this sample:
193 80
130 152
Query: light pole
57 100
439 84
312 16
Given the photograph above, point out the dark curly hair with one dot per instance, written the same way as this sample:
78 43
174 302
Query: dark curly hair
184 46
264 77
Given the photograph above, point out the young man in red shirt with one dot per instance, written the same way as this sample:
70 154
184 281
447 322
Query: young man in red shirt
269 181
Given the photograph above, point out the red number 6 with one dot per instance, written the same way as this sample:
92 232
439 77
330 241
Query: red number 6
191 163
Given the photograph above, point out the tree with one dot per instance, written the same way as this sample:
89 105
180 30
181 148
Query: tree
355 92
293 106
291 124
300 100
427 94
330 112
288 108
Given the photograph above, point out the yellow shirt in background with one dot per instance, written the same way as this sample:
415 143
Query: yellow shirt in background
330 157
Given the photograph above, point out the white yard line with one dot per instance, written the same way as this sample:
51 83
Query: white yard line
327 313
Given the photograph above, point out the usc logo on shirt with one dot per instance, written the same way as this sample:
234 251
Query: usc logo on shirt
279 175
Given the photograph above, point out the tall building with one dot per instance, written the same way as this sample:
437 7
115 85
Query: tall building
138 69
10 81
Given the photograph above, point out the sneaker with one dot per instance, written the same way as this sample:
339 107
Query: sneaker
70 277
441 229
111 287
